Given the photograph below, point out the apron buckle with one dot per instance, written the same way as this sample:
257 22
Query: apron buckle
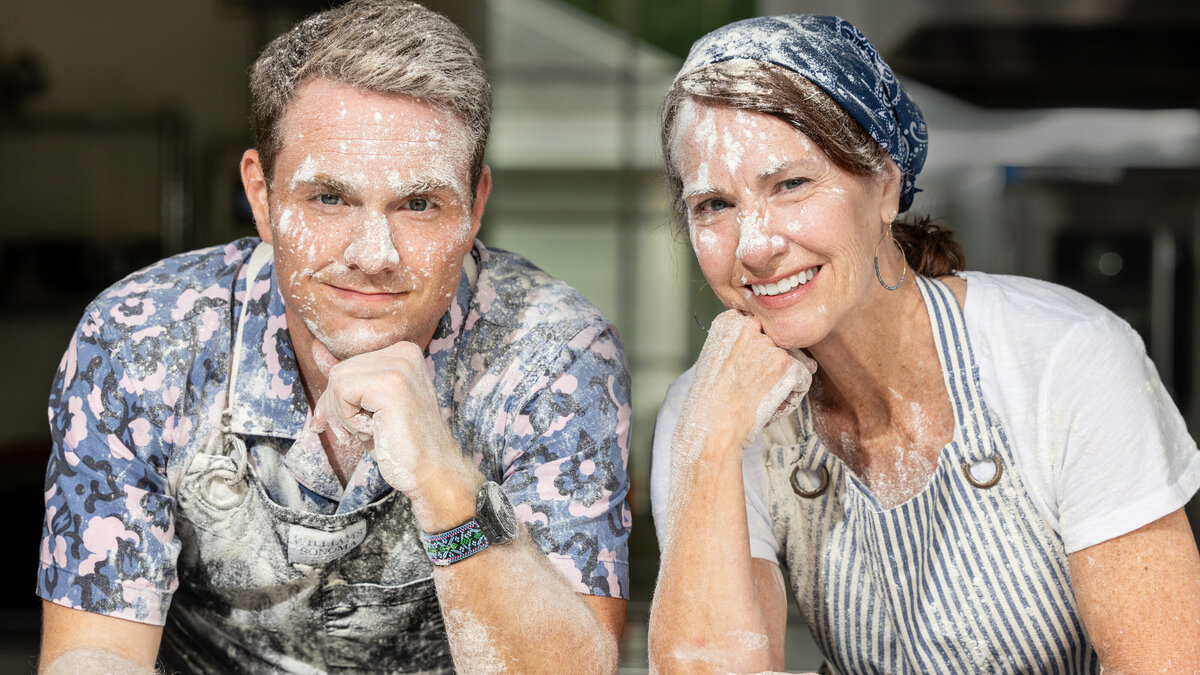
991 482
816 492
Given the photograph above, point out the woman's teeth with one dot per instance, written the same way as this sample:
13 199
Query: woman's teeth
785 285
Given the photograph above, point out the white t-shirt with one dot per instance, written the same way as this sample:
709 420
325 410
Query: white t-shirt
1100 446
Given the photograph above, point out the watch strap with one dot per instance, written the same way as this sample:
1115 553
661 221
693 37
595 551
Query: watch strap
451 546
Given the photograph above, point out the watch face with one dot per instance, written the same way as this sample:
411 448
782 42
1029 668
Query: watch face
496 515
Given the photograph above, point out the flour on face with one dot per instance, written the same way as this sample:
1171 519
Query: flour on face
778 229
375 212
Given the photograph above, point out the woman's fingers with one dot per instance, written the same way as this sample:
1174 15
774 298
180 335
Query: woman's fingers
743 379
794 385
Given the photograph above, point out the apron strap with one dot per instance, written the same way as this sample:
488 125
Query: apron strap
258 259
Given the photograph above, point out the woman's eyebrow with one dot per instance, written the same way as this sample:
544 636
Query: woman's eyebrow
698 190
776 168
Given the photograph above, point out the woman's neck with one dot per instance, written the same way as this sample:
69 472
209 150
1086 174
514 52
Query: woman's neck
879 398
872 363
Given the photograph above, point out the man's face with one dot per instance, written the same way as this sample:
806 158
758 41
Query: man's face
370 211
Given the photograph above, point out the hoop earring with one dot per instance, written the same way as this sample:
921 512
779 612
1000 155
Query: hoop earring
903 272
696 297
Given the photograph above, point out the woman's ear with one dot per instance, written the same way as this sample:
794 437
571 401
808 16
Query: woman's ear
889 189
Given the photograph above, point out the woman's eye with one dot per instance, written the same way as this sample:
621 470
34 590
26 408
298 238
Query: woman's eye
329 199
418 204
793 183
714 205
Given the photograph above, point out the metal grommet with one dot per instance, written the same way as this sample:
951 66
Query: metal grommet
224 489
990 482
810 494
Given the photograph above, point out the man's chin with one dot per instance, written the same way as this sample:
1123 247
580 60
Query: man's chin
348 343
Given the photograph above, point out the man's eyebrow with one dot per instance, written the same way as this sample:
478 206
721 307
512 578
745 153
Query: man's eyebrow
417 186
327 183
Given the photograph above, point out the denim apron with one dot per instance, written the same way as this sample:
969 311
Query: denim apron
264 588
965 577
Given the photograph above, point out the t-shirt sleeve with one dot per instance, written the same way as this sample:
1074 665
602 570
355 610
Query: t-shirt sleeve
1127 458
763 543
108 544
660 454
566 463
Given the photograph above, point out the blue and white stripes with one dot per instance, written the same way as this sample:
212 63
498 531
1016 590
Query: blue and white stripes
956 579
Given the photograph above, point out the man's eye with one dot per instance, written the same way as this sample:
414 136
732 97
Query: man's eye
418 204
329 199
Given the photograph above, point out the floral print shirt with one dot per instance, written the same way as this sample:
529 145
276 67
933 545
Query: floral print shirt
530 377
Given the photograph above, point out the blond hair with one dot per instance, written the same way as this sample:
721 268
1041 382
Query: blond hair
385 46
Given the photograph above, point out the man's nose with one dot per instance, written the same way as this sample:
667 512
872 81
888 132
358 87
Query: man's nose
372 249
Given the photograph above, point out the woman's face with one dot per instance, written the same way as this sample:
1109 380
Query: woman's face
780 231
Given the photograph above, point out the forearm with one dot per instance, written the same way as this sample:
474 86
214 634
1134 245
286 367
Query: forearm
507 609
706 615
75 641
93 660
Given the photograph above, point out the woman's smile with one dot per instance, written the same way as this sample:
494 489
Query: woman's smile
785 291
779 230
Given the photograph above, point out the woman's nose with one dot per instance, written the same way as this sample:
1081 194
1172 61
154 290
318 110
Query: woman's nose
757 242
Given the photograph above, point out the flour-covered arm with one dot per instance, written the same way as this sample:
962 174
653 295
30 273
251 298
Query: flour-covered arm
715 608
75 641
1139 596
552 600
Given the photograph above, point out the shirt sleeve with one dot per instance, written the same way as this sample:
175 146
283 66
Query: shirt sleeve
566 463
108 543
660 454
1127 458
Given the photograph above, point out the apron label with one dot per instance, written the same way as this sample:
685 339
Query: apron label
309 546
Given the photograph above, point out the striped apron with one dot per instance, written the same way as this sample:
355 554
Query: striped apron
965 577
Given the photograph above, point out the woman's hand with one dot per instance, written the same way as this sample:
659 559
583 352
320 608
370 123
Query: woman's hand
710 613
743 383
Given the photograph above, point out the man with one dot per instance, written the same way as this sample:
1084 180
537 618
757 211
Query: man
299 455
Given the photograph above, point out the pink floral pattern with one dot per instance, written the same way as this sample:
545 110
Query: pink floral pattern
530 377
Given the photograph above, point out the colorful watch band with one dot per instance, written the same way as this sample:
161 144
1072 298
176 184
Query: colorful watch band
447 548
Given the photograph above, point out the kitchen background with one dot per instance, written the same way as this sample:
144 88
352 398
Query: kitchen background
1065 145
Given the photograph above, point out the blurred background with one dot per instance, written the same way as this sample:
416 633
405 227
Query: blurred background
1065 145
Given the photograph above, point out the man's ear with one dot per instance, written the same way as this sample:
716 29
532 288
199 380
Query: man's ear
254 182
482 189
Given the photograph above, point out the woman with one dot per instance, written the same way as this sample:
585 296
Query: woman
956 472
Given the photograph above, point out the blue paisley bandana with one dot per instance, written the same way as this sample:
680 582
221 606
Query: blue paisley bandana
832 54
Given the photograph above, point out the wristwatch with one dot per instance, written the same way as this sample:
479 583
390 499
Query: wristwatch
495 523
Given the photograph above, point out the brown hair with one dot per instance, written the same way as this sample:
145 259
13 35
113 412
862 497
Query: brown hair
385 46
766 88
